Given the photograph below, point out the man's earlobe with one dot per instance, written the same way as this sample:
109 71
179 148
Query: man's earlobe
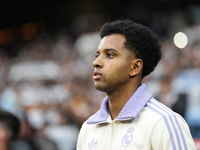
137 66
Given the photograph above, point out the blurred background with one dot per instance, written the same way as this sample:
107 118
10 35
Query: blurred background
46 54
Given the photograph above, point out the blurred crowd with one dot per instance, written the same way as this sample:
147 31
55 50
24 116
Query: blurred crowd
49 85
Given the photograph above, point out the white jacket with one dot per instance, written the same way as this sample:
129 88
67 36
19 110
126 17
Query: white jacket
143 124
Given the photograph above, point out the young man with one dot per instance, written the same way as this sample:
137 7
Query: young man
9 128
129 117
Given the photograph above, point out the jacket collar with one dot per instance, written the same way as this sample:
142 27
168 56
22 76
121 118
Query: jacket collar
130 110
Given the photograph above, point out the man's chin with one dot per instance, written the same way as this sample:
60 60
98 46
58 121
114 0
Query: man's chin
99 87
102 88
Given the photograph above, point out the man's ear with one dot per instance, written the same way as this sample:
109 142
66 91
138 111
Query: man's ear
136 67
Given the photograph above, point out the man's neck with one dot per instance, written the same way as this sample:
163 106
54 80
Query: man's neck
118 99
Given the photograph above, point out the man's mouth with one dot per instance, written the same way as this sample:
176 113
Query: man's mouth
97 76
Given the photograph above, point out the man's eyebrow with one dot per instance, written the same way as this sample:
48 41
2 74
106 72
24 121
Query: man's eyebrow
106 50
111 49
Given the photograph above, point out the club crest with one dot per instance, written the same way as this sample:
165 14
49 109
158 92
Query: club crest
128 137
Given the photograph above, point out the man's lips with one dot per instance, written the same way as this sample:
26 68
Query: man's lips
97 76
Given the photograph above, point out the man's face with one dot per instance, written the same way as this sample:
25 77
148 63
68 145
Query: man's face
112 64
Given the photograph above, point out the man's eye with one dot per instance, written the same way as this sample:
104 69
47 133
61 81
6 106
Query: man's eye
109 55
96 55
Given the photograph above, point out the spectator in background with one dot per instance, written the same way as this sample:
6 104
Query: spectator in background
9 128
63 134
165 95
181 103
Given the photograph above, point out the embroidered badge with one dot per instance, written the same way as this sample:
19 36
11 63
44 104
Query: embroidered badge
92 145
128 137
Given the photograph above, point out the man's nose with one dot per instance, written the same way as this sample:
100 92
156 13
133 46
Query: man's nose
97 62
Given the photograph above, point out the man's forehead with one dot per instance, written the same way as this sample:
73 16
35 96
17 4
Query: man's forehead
114 41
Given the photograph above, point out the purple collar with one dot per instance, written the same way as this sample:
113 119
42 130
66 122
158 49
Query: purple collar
130 110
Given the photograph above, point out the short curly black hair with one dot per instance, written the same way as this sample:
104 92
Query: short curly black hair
10 123
140 39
